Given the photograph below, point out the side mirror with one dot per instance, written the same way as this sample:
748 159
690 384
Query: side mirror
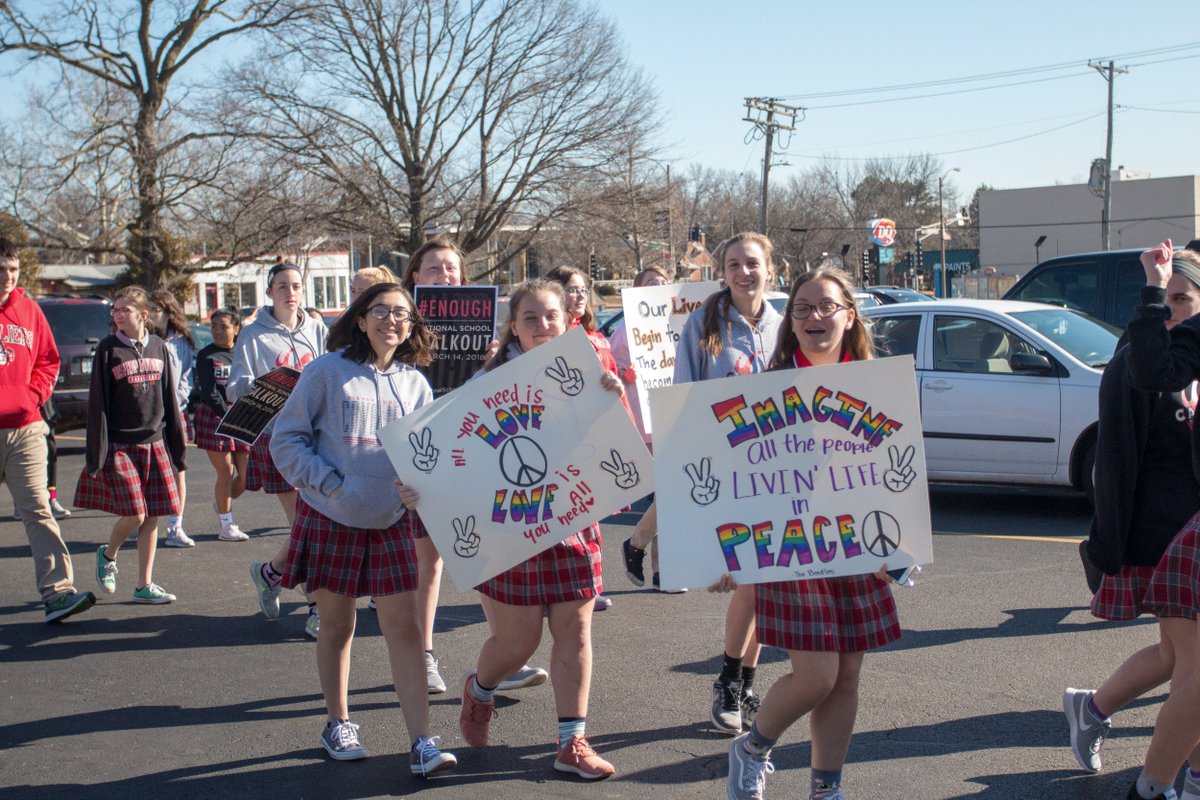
1030 362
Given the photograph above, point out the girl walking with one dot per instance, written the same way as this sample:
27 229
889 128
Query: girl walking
348 541
169 322
135 443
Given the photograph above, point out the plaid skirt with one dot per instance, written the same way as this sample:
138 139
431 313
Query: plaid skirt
261 474
325 554
415 527
185 425
570 570
136 480
1123 596
206 433
1174 589
843 615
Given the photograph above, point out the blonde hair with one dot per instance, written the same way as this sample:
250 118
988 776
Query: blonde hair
380 274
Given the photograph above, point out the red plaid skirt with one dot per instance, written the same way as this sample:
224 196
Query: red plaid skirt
206 433
136 480
185 425
1174 589
570 570
843 615
416 528
1123 596
325 554
261 474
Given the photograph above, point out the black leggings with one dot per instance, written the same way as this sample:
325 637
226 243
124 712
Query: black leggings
51 460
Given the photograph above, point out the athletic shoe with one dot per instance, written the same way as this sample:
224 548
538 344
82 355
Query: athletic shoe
425 758
433 679
633 563
747 772
312 625
371 604
153 594
727 706
658 587
523 678
106 572
602 603
340 740
475 717
1191 786
57 509
177 537
750 703
578 756
68 603
837 795
1168 794
1087 735
232 533
268 595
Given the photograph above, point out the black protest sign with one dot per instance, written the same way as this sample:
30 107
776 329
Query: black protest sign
252 413
463 319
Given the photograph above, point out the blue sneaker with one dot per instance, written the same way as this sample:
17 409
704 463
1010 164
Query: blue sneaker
426 759
340 740
747 772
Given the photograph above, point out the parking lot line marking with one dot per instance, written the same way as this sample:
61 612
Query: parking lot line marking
1066 539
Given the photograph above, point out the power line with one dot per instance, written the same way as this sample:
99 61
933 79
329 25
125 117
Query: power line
1038 224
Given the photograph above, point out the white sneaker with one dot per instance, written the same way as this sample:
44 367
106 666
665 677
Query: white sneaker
57 509
523 678
177 537
232 533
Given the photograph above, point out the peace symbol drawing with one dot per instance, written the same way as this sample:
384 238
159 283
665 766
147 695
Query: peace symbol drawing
880 533
522 461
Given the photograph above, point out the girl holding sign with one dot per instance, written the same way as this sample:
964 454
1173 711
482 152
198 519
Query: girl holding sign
348 541
732 334
560 583
283 336
825 624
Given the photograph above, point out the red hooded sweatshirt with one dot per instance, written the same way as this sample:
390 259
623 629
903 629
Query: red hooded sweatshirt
28 361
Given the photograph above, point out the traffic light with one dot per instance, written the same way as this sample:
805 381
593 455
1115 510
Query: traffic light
919 266
866 267
593 267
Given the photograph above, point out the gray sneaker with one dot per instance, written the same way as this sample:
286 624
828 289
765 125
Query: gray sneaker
433 678
750 704
68 603
1087 735
523 678
727 706
426 759
268 595
747 772
340 740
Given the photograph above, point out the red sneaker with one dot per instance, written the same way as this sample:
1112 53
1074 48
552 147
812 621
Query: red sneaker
475 717
578 756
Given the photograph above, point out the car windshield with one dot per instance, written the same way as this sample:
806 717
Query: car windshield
1088 339
77 323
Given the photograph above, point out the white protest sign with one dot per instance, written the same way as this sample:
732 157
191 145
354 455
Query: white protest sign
802 473
654 317
519 459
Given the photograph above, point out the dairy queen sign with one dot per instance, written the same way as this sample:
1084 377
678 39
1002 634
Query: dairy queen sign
882 232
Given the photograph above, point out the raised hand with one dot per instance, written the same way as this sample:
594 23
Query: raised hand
705 485
425 455
624 471
900 475
1157 263
569 379
466 540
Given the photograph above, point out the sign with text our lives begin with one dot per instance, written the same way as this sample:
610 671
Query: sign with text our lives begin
802 473
519 459
654 317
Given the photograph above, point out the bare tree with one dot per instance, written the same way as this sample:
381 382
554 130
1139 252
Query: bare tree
467 117
137 52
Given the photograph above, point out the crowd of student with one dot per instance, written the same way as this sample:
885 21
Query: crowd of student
349 540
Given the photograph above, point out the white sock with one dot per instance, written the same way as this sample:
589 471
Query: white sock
226 519
174 522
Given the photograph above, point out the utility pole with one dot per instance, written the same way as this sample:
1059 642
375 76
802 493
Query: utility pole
766 123
1109 72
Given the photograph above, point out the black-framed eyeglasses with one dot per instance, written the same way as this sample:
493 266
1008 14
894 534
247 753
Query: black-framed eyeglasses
579 290
399 313
827 308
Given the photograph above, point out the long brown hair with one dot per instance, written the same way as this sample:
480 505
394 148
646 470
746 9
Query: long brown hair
417 349
518 295
563 275
857 341
175 321
409 282
716 307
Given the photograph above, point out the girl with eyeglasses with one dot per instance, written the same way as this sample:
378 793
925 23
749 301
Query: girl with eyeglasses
135 443
826 625
169 322
348 540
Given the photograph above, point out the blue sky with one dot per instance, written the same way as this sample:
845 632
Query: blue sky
706 56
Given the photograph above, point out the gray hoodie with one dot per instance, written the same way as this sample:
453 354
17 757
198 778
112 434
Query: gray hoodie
266 343
325 441
744 349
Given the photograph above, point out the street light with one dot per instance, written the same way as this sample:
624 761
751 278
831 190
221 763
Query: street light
1037 249
939 289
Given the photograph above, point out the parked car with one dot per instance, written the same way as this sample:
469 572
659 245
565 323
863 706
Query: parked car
78 325
1106 286
1008 390
888 295
201 335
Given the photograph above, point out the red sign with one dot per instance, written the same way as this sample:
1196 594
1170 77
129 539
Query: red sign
883 232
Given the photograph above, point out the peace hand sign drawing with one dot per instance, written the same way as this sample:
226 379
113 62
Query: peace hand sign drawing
425 455
466 540
624 471
569 379
900 475
705 485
